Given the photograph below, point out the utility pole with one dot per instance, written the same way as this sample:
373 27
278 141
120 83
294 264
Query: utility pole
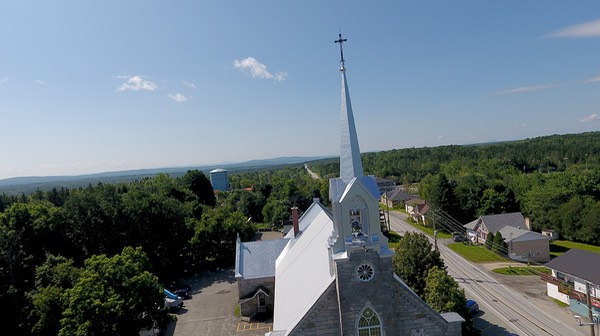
435 233
589 304
387 202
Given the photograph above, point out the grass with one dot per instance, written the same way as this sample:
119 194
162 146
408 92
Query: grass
429 231
525 270
559 247
560 303
476 253
394 239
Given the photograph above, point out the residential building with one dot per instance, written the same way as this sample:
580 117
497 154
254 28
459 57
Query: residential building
525 245
479 229
522 243
417 209
575 274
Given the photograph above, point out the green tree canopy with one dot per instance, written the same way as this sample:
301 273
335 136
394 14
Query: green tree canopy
443 294
414 257
113 296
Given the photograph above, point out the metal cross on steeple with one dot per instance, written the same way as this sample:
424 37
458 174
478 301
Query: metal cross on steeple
340 40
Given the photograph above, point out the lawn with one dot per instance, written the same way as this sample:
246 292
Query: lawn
476 253
559 247
394 239
525 270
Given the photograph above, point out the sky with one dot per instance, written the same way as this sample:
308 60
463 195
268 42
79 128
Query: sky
96 86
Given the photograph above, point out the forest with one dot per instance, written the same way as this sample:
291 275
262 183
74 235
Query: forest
107 250
553 180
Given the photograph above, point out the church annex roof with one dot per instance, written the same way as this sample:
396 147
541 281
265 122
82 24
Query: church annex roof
303 270
256 259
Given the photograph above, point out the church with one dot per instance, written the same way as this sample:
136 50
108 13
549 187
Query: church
332 274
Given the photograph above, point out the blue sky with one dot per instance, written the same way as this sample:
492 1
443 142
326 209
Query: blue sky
94 86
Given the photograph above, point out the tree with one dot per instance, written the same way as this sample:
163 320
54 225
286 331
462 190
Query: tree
489 241
414 257
200 186
443 294
215 234
52 280
114 296
498 244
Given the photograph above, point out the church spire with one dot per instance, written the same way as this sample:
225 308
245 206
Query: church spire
350 162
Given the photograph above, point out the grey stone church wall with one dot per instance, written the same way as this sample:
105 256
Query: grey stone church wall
323 318
249 287
401 312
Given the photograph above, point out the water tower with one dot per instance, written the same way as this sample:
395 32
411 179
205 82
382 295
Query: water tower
219 179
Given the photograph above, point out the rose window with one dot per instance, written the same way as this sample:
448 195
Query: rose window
365 272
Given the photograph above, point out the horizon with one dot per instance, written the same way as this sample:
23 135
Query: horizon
88 88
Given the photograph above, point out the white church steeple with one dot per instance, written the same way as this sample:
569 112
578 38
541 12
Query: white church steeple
350 162
353 195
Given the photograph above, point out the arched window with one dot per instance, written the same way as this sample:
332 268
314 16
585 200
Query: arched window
369 324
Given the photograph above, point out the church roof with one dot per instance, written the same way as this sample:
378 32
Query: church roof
303 270
350 162
256 259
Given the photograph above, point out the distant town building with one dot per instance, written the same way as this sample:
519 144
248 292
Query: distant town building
219 179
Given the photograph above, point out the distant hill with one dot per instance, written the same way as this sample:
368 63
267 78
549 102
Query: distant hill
18 185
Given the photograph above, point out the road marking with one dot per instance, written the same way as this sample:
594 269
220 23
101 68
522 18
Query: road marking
248 326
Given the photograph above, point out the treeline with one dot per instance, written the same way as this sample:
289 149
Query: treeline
53 242
554 180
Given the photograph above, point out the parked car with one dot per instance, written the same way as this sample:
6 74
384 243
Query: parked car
457 237
472 307
181 288
172 300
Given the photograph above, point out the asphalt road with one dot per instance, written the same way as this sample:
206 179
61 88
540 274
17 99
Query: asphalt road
506 311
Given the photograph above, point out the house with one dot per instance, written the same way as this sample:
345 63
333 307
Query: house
396 197
575 274
525 245
334 276
553 235
417 208
479 229
255 275
384 185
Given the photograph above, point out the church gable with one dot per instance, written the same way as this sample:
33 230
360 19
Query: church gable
366 283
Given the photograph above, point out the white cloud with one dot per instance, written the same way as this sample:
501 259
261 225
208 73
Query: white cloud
586 29
523 125
592 80
440 137
39 81
190 85
136 83
2 81
256 69
178 97
524 89
590 118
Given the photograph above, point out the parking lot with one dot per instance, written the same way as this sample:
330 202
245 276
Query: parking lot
210 311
